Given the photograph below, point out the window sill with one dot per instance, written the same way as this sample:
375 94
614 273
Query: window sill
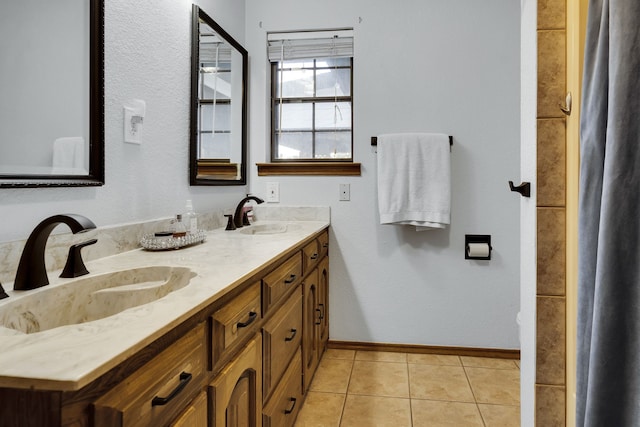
309 168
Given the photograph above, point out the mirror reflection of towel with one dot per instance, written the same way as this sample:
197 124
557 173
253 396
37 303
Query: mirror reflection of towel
68 155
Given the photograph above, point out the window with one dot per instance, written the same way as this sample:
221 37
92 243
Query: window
311 96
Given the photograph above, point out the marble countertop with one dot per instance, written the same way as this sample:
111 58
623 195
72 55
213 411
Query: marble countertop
70 357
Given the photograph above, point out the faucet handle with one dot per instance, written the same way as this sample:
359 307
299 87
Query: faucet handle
3 294
230 224
75 266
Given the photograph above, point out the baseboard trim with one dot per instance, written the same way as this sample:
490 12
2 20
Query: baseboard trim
497 353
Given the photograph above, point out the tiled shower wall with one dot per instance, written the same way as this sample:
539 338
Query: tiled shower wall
551 212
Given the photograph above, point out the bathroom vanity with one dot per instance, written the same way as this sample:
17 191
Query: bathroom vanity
238 345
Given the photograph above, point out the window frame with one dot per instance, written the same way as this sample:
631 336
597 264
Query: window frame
275 101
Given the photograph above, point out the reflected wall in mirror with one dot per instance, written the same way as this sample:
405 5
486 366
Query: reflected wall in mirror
218 149
52 85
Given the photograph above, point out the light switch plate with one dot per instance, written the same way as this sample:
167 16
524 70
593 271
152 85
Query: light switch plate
273 192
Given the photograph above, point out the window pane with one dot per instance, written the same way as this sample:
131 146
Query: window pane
215 147
333 145
295 84
294 145
223 117
330 115
294 116
333 62
333 82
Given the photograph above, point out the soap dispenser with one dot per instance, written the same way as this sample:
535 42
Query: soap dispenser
190 218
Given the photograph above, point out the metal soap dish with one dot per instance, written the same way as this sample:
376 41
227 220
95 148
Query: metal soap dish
163 243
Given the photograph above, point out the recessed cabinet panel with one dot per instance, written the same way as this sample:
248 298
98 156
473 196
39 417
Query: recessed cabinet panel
157 392
277 283
323 304
233 322
282 408
281 338
235 395
310 339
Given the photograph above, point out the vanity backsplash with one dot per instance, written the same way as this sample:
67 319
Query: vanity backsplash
116 239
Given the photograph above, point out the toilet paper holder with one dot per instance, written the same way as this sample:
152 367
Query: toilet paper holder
475 240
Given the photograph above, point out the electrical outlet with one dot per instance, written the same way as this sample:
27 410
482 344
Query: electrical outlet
345 192
273 192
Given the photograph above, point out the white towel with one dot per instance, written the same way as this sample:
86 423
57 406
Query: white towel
414 180
68 155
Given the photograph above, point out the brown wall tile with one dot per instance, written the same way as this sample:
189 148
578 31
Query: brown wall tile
550 404
552 14
552 67
551 251
550 339
551 162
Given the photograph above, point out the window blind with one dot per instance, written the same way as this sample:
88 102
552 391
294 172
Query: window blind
310 44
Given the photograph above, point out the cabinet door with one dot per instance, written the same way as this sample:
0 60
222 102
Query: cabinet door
310 330
195 415
323 303
235 395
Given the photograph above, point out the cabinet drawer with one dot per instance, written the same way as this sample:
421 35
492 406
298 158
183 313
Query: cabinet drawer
280 280
310 256
281 338
159 390
283 407
323 243
232 322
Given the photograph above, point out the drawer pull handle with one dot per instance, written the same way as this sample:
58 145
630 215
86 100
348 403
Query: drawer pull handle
293 334
290 410
291 279
319 321
314 256
252 316
325 245
321 311
185 377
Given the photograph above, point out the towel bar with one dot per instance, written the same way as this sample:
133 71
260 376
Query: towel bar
374 141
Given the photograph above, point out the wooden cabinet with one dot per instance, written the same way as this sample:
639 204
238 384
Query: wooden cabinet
281 280
160 389
283 406
282 335
245 359
234 322
235 395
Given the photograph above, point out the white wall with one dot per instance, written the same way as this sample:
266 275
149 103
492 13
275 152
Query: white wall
450 67
147 56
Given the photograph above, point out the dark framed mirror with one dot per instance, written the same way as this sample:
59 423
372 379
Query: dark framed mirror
218 129
52 81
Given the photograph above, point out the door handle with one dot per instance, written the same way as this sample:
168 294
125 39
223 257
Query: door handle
524 189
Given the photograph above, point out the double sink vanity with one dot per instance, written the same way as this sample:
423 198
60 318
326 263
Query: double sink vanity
225 332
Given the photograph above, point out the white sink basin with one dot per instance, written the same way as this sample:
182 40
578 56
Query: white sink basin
265 229
90 298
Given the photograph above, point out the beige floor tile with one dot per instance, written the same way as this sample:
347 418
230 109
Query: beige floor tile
498 386
439 383
334 353
433 413
321 410
332 376
488 362
382 356
375 411
500 415
433 359
379 379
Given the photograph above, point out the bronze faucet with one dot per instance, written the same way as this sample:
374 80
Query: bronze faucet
32 271
240 219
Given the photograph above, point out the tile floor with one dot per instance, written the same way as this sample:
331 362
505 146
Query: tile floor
375 389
